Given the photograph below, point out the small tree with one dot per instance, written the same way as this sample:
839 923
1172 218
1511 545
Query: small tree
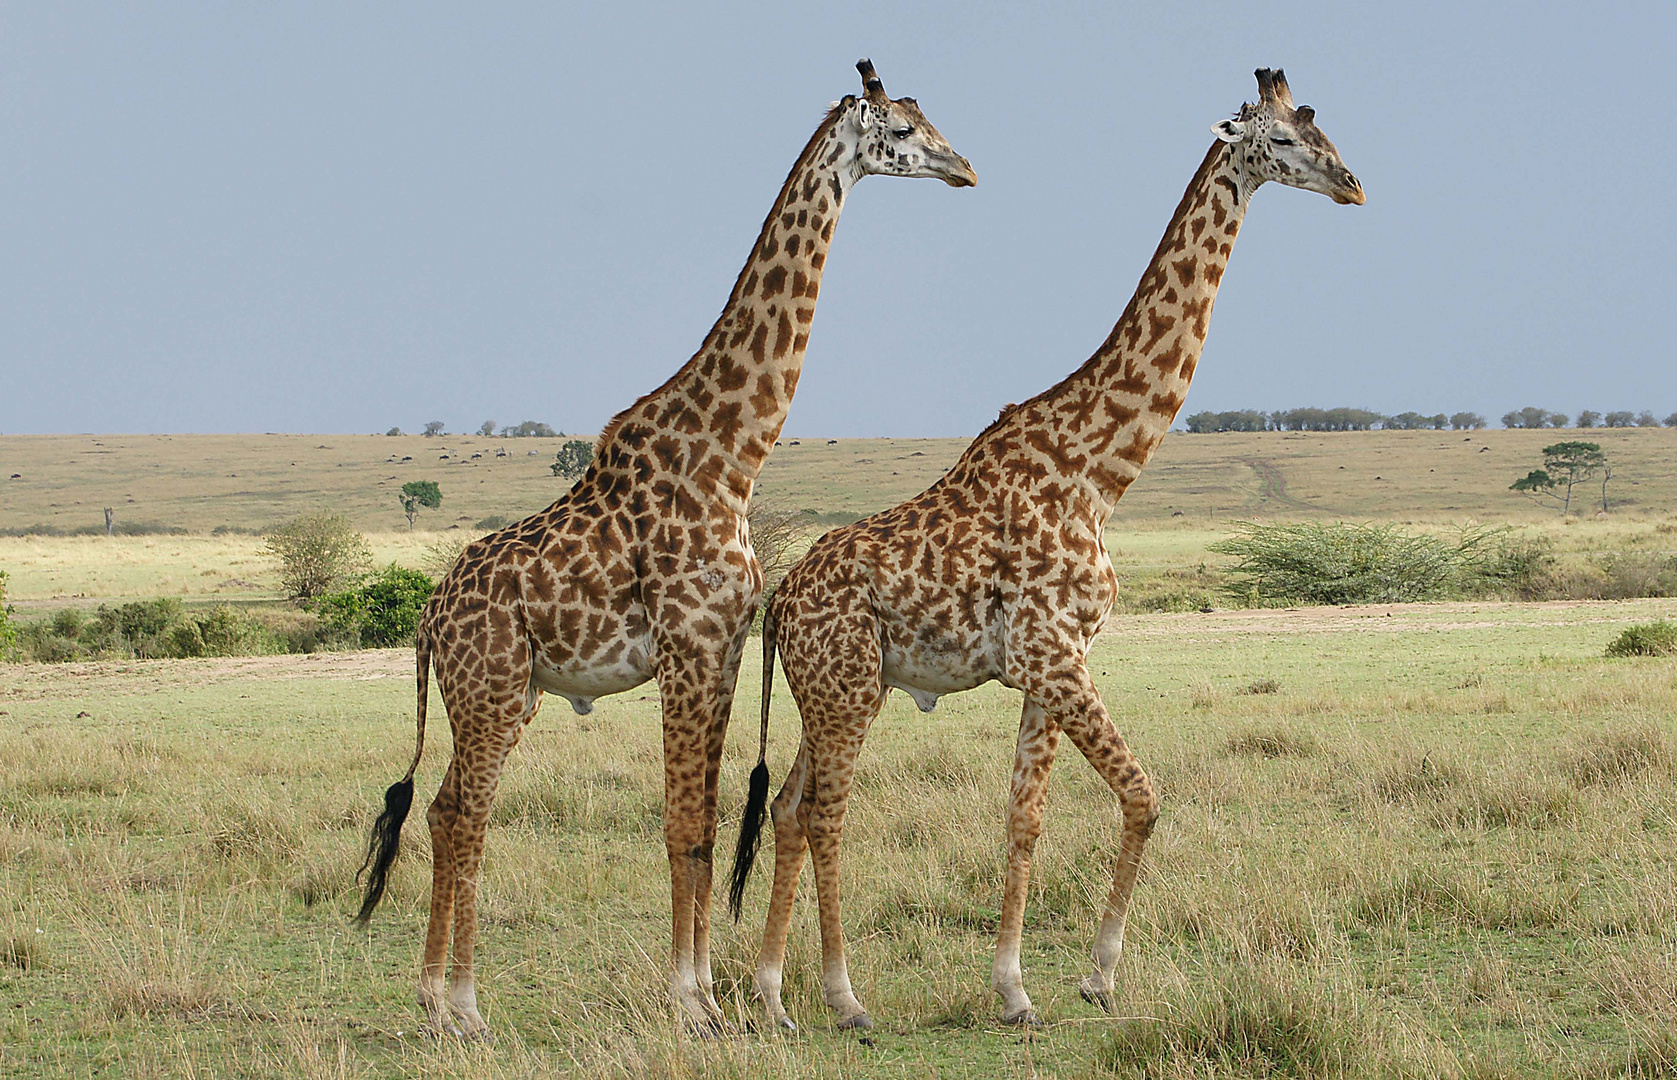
1565 466
418 493
1588 418
317 553
573 459
394 431
777 536
530 429
486 428
1622 418
1646 419
433 428
1671 421
1466 421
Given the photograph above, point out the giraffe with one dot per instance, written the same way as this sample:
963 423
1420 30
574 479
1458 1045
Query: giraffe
998 572
644 570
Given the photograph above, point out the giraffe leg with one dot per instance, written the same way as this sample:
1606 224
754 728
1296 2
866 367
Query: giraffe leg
833 768
1038 739
479 767
689 695
789 847
1073 703
713 772
443 817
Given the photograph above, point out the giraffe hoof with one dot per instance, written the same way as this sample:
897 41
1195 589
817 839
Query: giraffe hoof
1099 998
433 1029
1026 1019
859 1022
786 1024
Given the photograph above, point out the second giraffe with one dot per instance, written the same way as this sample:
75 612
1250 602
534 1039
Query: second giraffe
998 572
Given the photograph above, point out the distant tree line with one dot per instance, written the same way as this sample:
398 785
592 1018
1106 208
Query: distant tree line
1341 419
1347 419
1532 417
529 429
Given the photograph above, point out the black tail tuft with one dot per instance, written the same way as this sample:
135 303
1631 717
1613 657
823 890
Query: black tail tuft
382 847
751 830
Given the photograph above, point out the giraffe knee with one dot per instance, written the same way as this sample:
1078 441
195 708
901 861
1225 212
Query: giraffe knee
1141 807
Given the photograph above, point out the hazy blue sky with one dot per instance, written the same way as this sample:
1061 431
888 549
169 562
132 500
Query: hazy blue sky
340 217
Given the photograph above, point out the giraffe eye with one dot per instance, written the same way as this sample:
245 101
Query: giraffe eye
903 133
1282 140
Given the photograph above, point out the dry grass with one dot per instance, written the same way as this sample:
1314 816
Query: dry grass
1362 874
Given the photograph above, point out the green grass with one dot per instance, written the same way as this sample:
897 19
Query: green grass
1438 842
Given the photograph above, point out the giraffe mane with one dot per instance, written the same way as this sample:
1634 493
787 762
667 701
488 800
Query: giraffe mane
834 111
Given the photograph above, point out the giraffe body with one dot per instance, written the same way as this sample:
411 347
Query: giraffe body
999 572
643 570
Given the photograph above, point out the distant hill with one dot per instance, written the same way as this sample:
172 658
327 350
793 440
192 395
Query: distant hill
200 482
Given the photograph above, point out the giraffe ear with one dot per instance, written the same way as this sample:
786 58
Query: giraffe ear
1230 131
864 117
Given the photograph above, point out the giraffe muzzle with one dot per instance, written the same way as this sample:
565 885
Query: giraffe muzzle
956 171
1350 193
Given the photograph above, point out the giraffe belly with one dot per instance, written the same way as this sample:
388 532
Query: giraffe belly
581 683
925 679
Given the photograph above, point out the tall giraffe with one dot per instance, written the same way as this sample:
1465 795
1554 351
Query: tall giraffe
644 570
998 572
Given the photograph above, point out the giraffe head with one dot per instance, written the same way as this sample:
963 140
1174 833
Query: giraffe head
894 138
1276 141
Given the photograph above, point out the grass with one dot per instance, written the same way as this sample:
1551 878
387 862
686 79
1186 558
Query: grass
1437 843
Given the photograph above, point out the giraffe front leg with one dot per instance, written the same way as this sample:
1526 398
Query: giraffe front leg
688 713
788 810
1082 715
717 740
1034 757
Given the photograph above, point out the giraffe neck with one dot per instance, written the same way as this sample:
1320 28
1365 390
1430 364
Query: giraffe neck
1102 422
717 418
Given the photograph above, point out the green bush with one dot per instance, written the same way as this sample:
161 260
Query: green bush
1646 639
8 629
382 611
148 629
1346 563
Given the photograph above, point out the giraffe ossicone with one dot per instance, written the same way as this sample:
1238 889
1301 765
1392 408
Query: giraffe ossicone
643 570
999 572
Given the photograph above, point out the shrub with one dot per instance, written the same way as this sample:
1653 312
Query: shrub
1646 639
381 611
493 522
1344 563
317 552
8 629
442 553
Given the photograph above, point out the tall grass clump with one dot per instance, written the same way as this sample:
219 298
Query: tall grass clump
1309 562
1646 639
1243 1025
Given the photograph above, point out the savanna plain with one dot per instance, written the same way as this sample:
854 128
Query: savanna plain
1423 840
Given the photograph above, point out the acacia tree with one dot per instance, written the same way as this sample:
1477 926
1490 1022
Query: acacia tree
486 428
418 493
573 459
433 428
1565 465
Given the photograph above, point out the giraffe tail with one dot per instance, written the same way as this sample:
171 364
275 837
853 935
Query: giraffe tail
757 798
386 840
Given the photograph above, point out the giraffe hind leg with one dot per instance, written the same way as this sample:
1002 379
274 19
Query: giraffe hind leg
443 818
790 845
